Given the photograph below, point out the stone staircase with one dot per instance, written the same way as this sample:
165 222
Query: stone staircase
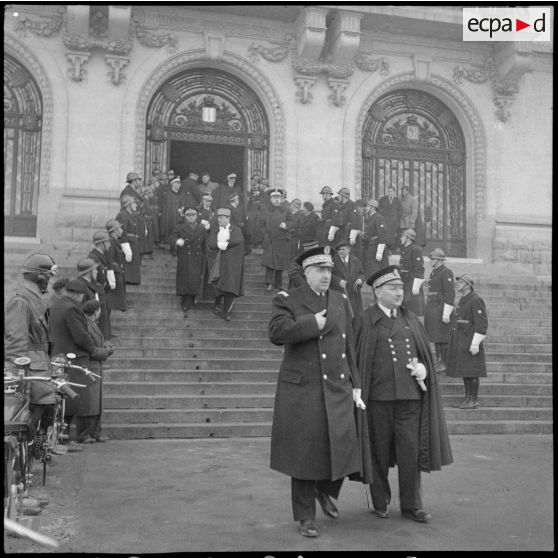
200 376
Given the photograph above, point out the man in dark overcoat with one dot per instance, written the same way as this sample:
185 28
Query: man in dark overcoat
276 243
313 436
128 219
171 216
375 240
134 186
116 298
346 221
223 192
439 306
329 216
105 278
389 206
189 190
225 251
402 397
348 276
469 324
189 238
87 275
411 265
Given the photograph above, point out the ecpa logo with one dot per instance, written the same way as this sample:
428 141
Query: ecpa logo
527 23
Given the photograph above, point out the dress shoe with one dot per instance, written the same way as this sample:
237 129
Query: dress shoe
269 287
72 447
308 528
328 507
227 316
87 440
32 510
101 439
382 514
416 515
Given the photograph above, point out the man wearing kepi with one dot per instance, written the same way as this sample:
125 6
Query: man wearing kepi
401 393
439 306
314 436
469 325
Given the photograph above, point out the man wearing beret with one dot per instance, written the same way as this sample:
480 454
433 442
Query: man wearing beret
439 306
469 324
314 436
401 393
225 256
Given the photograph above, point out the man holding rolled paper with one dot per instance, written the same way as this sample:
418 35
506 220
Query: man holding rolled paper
400 390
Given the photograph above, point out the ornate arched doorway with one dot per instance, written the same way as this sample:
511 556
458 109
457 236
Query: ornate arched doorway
23 109
207 120
411 138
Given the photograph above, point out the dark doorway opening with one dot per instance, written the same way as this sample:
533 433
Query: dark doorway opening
218 160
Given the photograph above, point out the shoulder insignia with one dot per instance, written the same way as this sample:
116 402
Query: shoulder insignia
418 258
343 295
381 225
479 311
449 279
284 293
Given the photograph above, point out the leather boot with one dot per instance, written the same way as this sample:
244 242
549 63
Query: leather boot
473 402
467 394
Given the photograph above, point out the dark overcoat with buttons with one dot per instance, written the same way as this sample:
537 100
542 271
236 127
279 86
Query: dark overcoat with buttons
314 434
469 317
329 216
129 222
190 257
347 219
375 233
411 265
441 290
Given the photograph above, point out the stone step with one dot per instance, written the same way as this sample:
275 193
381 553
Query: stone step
185 331
122 322
510 347
500 427
267 351
518 357
227 375
498 413
250 342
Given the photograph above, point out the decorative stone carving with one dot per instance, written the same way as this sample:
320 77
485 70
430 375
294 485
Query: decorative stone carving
272 54
366 63
117 64
42 28
150 39
472 116
503 105
476 74
310 28
338 87
343 37
77 72
304 83
80 42
240 67
214 45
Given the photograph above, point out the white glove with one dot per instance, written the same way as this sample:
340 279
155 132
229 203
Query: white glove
418 370
205 224
356 398
332 230
223 236
353 236
111 279
380 252
478 338
127 251
342 283
180 242
282 226
416 285
448 309
321 319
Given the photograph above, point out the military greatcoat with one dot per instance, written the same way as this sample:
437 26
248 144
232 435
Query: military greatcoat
347 219
412 267
375 233
276 243
116 298
129 222
329 216
190 257
469 317
314 433
441 290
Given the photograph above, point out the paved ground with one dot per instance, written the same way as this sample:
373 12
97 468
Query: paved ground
216 495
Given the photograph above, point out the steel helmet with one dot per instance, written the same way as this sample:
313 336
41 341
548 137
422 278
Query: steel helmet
326 190
40 263
101 236
409 233
345 192
437 254
132 176
126 200
112 225
85 265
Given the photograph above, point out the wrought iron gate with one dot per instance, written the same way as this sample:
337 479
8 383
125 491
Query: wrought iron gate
22 149
411 138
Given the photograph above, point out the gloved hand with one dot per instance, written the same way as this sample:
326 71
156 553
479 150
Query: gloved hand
356 398
180 242
353 236
448 309
282 226
474 349
111 279
342 283
416 285
478 338
418 370
380 252
321 319
357 285
127 251
205 224
332 230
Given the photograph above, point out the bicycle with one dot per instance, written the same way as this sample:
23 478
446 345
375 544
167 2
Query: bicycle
52 428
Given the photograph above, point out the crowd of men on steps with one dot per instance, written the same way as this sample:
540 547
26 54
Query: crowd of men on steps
210 228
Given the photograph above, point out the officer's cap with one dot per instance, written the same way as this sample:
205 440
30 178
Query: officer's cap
225 211
231 175
276 192
190 211
388 274
341 244
320 256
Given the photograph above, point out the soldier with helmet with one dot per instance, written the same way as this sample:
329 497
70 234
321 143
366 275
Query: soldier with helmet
346 222
330 208
411 266
116 298
105 277
128 219
87 276
374 240
439 306
26 332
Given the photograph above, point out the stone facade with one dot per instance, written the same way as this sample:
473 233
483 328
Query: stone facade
317 72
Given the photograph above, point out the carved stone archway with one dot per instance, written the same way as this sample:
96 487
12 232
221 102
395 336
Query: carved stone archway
465 112
236 65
